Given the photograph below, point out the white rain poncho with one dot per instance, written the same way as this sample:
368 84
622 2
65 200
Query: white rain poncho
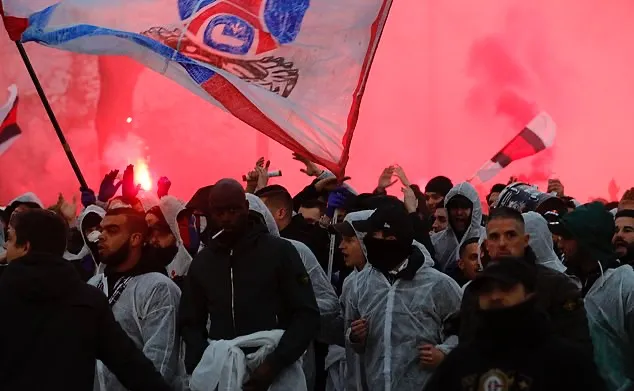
171 207
353 375
329 309
401 317
610 310
85 250
224 365
445 242
541 241
147 312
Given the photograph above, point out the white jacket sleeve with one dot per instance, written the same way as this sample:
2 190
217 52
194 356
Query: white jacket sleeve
448 305
158 325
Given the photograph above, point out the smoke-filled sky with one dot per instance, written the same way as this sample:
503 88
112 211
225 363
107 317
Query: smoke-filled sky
452 81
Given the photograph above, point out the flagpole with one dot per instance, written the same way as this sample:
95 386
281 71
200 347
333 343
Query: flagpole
51 115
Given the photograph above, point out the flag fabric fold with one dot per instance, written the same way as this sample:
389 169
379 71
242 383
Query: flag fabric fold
293 69
9 130
538 135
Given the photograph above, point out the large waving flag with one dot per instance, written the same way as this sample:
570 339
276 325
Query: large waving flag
9 130
293 69
538 135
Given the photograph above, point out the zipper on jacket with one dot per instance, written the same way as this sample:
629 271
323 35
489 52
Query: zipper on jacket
233 311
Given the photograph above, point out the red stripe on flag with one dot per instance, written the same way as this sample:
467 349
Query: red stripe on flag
525 144
241 107
14 26
12 116
353 116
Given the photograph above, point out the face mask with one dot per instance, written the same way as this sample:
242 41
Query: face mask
385 255
162 256
93 237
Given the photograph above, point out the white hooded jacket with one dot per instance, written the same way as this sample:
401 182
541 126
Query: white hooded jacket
401 317
85 250
610 309
171 207
541 241
446 243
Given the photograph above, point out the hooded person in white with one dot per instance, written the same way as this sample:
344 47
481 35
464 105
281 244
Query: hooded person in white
143 300
350 376
26 200
541 241
91 213
447 242
399 307
171 209
327 301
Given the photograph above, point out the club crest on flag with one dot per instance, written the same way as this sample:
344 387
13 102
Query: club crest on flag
232 34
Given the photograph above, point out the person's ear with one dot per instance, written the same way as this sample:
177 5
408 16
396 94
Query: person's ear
27 247
136 240
527 237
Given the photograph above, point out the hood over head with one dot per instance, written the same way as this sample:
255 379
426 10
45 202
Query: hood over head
446 242
541 241
26 198
359 216
93 210
257 205
171 207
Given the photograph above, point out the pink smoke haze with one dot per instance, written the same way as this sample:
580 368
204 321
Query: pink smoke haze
452 82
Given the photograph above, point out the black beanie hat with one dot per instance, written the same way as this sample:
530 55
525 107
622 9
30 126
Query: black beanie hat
440 185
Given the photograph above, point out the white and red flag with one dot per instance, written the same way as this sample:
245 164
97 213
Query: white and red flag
293 69
9 129
538 135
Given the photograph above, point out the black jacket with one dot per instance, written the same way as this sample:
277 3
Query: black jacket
259 284
54 327
557 296
515 350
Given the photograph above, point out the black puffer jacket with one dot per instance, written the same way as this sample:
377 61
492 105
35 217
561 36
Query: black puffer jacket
54 327
259 284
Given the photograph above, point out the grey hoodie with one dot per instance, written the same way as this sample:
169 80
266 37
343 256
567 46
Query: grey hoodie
171 207
445 242
541 241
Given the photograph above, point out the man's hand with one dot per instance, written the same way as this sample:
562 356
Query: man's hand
311 168
400 173
129 190
163 187
87 197
430 356
263 174
261 378
329 184
409 199
108 189
66 209
359 331
385 180
555 186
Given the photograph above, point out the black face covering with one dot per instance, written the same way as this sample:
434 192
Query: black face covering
162 256
94 250
385 255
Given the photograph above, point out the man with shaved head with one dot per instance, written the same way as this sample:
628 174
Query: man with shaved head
246 281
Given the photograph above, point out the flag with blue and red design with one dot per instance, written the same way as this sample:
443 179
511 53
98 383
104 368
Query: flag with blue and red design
293 69
9 129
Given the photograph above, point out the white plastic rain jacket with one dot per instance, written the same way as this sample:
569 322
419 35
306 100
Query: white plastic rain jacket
147 312
85 250
329 309
224 365
353 376
401 317
541 241
610 310
445 242
171 207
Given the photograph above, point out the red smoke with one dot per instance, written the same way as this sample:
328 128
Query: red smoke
451 83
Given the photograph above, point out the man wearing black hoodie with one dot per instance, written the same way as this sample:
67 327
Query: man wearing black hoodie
54 325
514 348
246 281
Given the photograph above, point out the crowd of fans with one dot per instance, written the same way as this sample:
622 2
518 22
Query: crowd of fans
251 288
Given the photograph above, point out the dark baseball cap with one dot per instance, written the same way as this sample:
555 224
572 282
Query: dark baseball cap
392 220
345 229
505 272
